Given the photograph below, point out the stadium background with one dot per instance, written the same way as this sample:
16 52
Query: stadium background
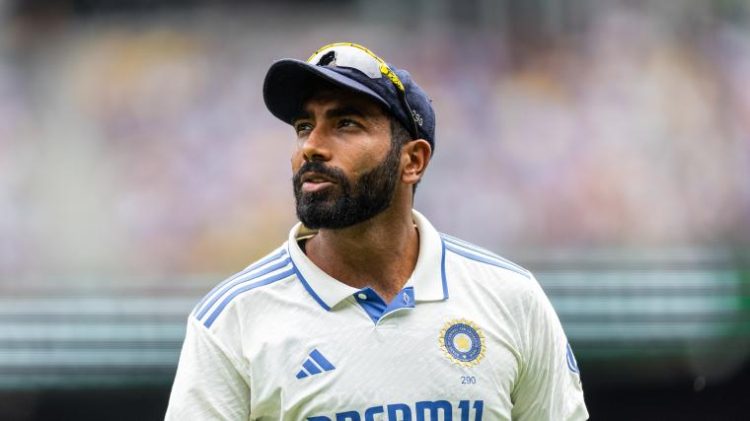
603 144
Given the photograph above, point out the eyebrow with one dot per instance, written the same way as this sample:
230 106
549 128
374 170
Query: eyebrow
346 110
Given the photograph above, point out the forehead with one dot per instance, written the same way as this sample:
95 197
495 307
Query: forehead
322 99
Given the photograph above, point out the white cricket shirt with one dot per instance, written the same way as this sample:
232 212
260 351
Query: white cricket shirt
470 337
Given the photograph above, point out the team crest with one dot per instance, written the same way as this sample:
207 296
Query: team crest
462 342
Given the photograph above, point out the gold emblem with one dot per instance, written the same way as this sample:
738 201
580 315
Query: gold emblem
462 342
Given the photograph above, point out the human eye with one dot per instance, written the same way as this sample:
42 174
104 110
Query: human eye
347 123
302 127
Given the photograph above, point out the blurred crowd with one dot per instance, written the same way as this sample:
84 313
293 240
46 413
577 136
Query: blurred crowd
141 145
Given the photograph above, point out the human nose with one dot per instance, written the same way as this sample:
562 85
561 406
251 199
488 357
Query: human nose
315 147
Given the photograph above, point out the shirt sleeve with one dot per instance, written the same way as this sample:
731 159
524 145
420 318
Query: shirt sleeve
210 383
549 384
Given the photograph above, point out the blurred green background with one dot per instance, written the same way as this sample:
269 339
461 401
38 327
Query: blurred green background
605 145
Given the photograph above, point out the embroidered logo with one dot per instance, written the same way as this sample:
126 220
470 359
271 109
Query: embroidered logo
417 118
315 363
462 342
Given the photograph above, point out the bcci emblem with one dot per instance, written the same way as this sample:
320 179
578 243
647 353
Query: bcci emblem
462 342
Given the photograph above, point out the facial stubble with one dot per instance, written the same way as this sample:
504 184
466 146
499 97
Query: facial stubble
345 204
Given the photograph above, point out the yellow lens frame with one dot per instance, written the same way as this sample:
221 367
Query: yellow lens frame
384 68
386 71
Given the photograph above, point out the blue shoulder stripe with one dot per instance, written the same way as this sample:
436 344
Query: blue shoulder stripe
247 277
479 250
252 267
269 280
485 259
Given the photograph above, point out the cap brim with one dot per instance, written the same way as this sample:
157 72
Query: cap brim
288 84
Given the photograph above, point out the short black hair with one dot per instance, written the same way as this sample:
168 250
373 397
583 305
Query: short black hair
400 137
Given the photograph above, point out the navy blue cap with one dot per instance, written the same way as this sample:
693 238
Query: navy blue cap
289 83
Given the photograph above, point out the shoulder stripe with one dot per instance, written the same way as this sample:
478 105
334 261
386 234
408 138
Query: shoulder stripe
243 278
485 259
479 250
271 257
442 268
269 280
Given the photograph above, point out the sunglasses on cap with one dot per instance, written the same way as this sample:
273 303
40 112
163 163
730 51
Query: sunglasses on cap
355 56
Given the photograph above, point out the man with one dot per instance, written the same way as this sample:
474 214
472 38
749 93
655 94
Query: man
367 312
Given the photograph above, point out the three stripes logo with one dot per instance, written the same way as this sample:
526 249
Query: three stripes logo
315 363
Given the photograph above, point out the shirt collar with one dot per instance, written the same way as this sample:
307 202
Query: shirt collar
428 279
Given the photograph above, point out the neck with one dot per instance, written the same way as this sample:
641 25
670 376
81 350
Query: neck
380 253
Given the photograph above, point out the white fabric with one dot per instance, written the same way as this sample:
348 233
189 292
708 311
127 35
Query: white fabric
254 345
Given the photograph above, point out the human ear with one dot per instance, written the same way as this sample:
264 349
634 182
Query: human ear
416 156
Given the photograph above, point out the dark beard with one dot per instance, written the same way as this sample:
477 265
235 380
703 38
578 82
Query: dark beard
344 205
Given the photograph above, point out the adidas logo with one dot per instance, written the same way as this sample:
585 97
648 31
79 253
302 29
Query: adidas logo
315 363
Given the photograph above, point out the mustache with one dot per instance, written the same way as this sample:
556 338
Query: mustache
320 168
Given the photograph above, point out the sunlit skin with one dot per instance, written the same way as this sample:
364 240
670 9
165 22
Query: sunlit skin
352 132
